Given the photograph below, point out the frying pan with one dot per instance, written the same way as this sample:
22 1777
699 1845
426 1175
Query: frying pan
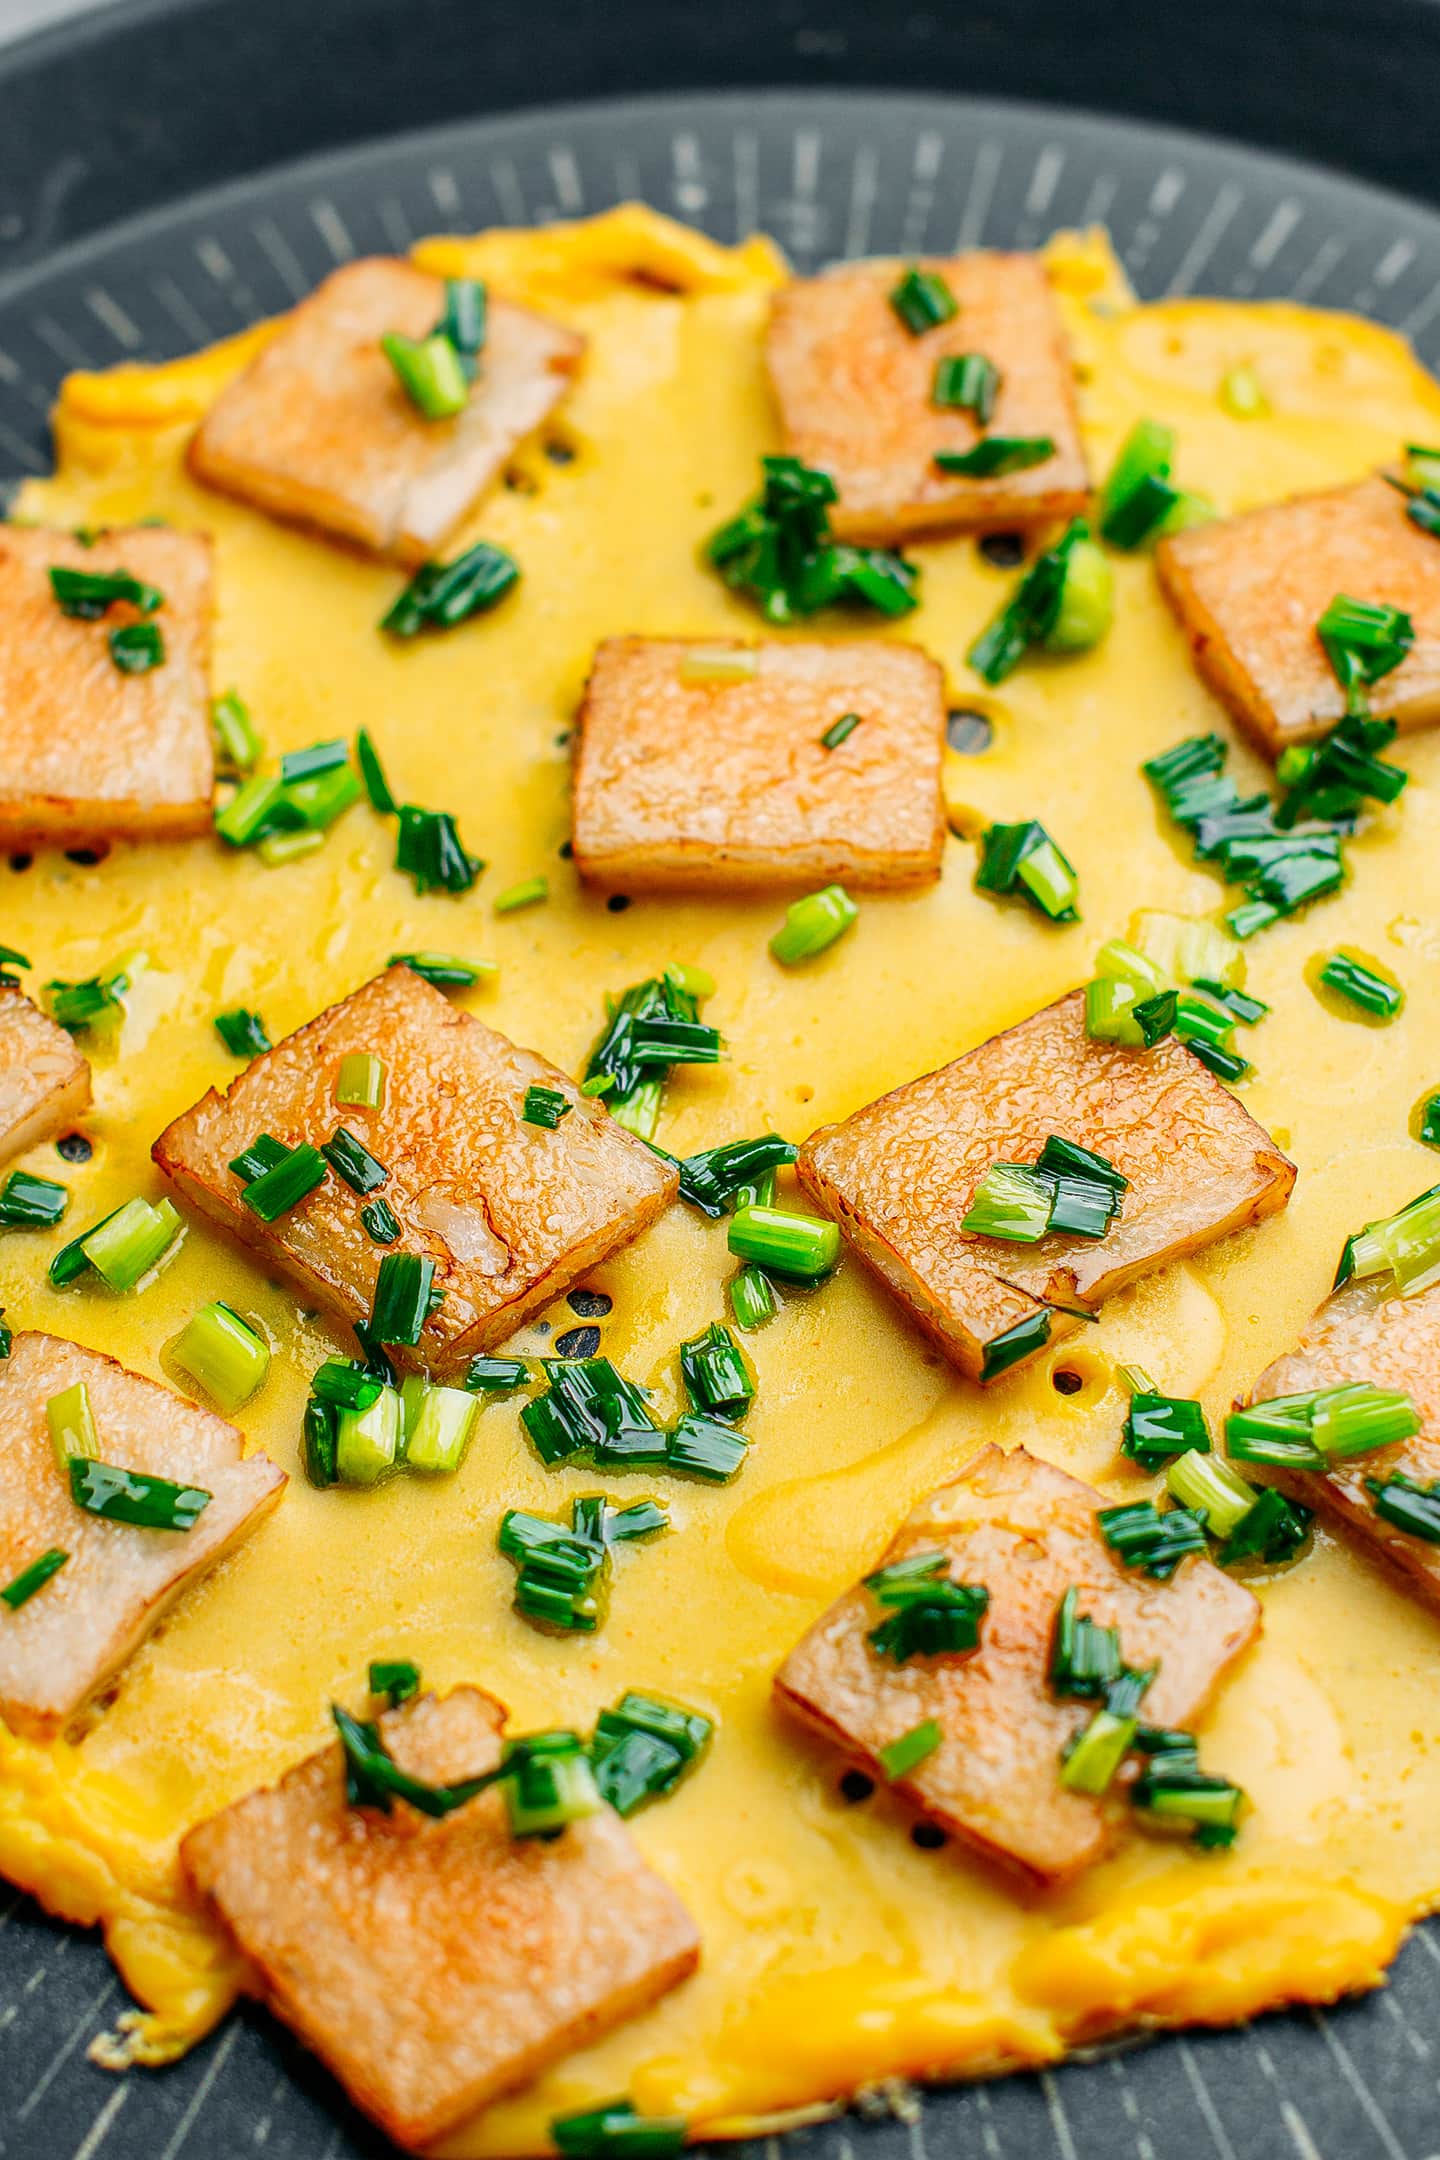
169 171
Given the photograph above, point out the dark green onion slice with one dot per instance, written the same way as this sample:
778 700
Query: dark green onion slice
372 772
752 1299
1140 1536
929 1615
1272 1531
1031 613
87 594
1022 857
264 1153
351 1160
714 1177
545 1106
374 1779
1160 1427
429 851
28 1202
995 455
1363 640
242 1032
313 760
966 382
923 300
1085 1657
382 1225
397 1678
496 1375
1138 496
136 648
23 1586
716 1373
1407 1505
1363 985
840 731
441 595
780 552
284 1186
445 970
704 1447
134 1497
617 2131
1014 1343
906 1753
404 1294
464 318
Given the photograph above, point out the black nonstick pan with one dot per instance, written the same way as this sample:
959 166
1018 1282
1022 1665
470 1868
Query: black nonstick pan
169 172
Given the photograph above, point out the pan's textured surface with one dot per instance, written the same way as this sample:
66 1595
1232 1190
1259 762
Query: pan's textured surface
829 175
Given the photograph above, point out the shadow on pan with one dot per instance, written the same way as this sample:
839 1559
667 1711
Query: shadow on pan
206 248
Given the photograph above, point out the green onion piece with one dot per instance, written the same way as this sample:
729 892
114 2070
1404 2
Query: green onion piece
1030 614
1408 1506
319 1443
374 1779
463 319
752 1299
254 811
72 1425
929 1614
1023 857
429 851
1335 779
1160 1427
1242 393
440 595
1087 601
279 848
396 1677
351 1160
1363 640
23 1586
716 1374
590 1408
901 1756
1137 495
1012 1202
812 925
283 1187
1427 1120
1227 1065
98 1000
1406 1244
430 373
1136 1380
779 551
545 1106
442 1431
264 1153
598 1084
1175 1790
923 300
703 1447
360 1082
134 1497
7 1339
31 1203
1140 1536
1247 1010
314 760
617 2132
130 1242
1276 1432
372 772
72 1261
525 894
840 731
798 1247
1093 1757
1014 1343
87 594
242 1032
496 1375
404 1292
1373 990
1273 1531
718 664
224 1354
716 1176
237 740
642 1748
689 981
1210 1487
1068 1159
445 970
9 958
367 1442
317 802
136 648
966 382
1357 1419
1085 1657
995 455
548 1784
1110 1008
346 1386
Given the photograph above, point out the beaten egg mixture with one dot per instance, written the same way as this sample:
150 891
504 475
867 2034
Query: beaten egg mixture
835 1952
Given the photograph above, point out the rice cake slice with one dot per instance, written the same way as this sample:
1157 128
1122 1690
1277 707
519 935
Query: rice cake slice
722 785
44 1081
511 1213
1249 590
318 428
899 1177
433 1964
1027 1533
66 1643
87 752
855 388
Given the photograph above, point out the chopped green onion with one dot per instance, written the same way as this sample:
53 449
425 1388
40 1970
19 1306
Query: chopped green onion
617 2132
840 731
31 1203
714 1177
1011 1202
812 925
798 1247
220 1350
346 1386
1273 1530
1140 1536
1363 640
374 1779
72 1425
254 812
966 382
236 737
523 895
1031 613
548 1784
995 455
446 971
1160 1427
372 772
1136 1380
279 848
429 851
1242 393
463 319
1085 1657
1093 1757
923 300
351 1160
1375 991
716 1373
242 1032
136 648
396 1677
642 1748
1138 495
264 1153
134 1497
9 958
98 999
128 1243
87 594
1210 1487
1175 1790
23 1586
314 760
1407 1506
901 1756
545 1106
589 1408
929 1614
404 1293
1087 601
1309 1431
1406 1244
1427 1120
1024 857
430 373
440 595
752 1299
1335 778
360 1082
718 664
779 550
1014 1343
367 1442
703 1447
284 1186
441 1433
496 1375
319 1442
